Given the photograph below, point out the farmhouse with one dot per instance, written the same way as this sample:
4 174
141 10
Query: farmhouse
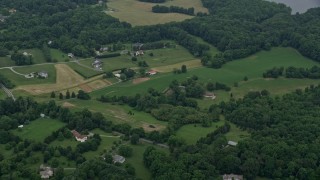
78 136
232 177
103 49
97 64
70 55
232 143
139 53
118 159
43 74
209 95
45 172
152 72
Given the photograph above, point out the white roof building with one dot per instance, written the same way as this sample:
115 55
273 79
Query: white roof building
232 143
118 159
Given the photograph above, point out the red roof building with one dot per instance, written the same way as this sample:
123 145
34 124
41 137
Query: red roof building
78 136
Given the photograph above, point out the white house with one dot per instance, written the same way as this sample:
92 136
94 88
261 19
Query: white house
152 72
118 159
43 74
79 137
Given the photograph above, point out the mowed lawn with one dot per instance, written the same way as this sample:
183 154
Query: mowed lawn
191 133
37 55
21 80
58 55
140 13
253 67
39 129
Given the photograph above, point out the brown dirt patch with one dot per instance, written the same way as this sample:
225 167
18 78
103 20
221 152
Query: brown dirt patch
140 80
85 88
68 105
147 127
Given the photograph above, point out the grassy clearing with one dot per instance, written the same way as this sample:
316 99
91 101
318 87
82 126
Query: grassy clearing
193 132
110 64
139 13
137 160
39 129
236 134
21 80
83 71
58 55
6 61
252 67
119 114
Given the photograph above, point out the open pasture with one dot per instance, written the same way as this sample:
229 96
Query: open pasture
39 129
253 67
119 114
140 13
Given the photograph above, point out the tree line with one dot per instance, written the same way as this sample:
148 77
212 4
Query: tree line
173 9
293 72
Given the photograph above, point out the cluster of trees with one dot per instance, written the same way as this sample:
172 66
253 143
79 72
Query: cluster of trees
217 86
21 59
172 9
153 45
46 53
273 73
126 74
6 82
293 72
109 55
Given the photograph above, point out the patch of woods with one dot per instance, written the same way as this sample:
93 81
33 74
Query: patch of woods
153 1
293 72
237 28
173 9
283 142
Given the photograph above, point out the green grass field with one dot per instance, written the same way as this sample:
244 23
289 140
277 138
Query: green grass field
21 80
65 143
119 113
139 13
192 133
39 129
83 71
252 67
58 55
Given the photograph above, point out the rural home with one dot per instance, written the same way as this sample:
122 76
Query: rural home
70 55
232 143
78 136
118 159
20 126
232 177
42 115
43 74
45 172
209 95
152 72
97 64
139 53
